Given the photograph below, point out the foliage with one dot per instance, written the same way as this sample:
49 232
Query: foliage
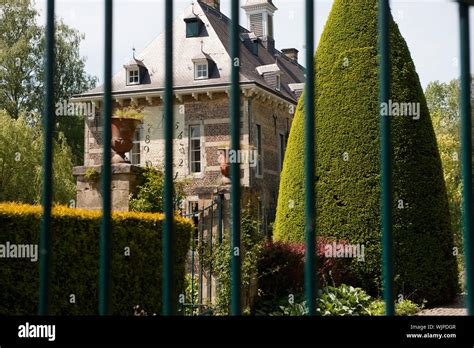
92 175
250 251
135 113
443 102
281 268
191 296
150 192
22 43
21 160
136 279
343 300
402 308
348 172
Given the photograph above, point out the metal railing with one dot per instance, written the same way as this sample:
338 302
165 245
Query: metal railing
204 221
169 303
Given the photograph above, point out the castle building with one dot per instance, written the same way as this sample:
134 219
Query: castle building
271 82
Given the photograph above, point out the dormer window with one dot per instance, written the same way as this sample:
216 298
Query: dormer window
193 26
271 74
133 76
136 72
201 70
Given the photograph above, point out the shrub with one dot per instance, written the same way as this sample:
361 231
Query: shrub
402 308
136 279
150 192
339 301
281 268
347 160
251 246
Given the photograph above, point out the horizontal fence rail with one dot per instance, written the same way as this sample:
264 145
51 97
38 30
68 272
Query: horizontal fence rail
169 304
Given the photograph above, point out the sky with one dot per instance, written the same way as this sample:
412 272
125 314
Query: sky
430 28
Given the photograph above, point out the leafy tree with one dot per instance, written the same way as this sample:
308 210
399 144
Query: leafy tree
443 102
22 44
21 156
347 160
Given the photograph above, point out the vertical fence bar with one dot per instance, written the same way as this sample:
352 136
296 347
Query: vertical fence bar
169 304
193 247
105 274
211 218
219 219
201 257
466 152
385 155
310 199
235 167
47 196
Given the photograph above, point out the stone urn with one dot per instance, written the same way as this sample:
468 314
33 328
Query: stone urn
123 131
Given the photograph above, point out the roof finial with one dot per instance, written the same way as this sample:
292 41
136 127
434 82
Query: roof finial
133 49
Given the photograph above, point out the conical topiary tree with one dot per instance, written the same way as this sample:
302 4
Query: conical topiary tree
347 160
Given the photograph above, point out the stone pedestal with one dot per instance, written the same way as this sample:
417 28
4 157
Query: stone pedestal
123 183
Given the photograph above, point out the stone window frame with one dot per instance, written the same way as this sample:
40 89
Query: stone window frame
260 153
281 149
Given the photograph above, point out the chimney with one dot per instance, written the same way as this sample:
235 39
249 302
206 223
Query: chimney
291 53
212 3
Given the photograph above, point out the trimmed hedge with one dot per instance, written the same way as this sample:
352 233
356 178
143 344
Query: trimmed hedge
136 279
347 159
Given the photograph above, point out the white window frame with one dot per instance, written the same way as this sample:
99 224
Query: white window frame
259 147
278 82
136 151
136 79
192 151
197 70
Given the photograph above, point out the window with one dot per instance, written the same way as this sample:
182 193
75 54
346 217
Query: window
278 82
200 70
195 149
133 77
282 150
193 26
254 46
134 154
259 151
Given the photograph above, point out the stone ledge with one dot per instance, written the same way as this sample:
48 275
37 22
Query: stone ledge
119 168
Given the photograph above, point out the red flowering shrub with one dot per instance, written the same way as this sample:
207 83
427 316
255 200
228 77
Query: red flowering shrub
281 268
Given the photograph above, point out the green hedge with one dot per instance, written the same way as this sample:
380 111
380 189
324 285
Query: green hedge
348 195
136 279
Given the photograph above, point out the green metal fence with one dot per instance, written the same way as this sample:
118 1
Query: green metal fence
203 248
106 233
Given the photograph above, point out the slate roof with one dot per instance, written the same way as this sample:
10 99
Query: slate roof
213 43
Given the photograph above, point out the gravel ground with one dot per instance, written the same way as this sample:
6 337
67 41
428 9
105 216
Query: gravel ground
456 308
